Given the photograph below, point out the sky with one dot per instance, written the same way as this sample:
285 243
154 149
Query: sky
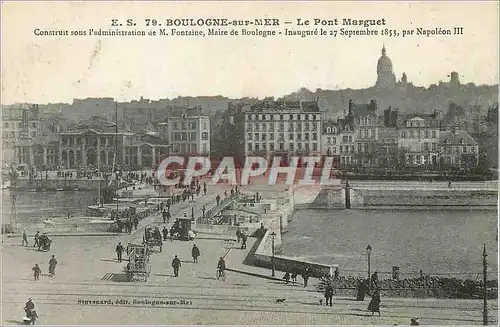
53 69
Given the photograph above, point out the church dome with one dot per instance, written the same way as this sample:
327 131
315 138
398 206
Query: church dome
384 64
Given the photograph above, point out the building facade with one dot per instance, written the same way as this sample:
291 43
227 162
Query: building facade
20 126
283 128
188 132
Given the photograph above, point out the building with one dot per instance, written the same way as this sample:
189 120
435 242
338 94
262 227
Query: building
458 150
385 75
20 125
188 132
283 128
419 139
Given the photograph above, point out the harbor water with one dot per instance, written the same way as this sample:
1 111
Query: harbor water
444 243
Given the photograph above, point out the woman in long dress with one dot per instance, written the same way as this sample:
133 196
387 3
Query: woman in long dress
374 305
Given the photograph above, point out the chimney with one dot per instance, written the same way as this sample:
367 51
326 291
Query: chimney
351 106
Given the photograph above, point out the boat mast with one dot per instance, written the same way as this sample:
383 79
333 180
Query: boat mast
116 153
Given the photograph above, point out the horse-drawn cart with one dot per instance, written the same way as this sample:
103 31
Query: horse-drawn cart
44 242
138 267
152 239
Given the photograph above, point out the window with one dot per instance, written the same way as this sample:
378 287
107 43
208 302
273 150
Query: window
282 146
434 146
192 137
426 134
249 146
264 136
290 136
282 126
426 146
345 139
433 134
290 117
204 136
334 150
472 149
256 136
271 136
291 147
183 125
350 139
334 140
271 146
192 125
194 149
264 146
365 132
307 136
6 125
281 117
412 134
307 146
257 146
299 146
374 133
464 149
299 137
315 147
257 127
249 136
328 140
403 134
315 136
205 125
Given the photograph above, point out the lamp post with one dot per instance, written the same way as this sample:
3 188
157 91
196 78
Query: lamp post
368 253
273 236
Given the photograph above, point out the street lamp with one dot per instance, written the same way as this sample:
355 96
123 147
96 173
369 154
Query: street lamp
273 236
368 253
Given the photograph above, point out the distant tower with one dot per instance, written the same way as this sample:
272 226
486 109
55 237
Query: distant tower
454 78
385 75
404 79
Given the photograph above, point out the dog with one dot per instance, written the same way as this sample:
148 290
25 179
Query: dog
280 300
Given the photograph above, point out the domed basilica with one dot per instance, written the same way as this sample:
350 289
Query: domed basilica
385 75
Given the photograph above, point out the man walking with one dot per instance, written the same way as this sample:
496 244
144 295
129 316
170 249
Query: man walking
243 240
329 294
136 223
37 235
164 215
176 263
195 253
217 198
204 188
36 272
25 238
52 266
119 251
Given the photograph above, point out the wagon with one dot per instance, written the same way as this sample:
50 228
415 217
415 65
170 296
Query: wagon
152 238
138 267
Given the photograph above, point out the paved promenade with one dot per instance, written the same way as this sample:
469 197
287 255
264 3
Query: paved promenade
88 271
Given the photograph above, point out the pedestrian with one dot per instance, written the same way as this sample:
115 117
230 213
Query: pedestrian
225 194
52 266
25 238
238 235
119 251
243 240
336 273
286 278
165 233
129 226
136 223
37 236
329 293
204 188
305 276
374 280
362 289
217 198
203 211
176 263
374 305
195 253
36 272
164 215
